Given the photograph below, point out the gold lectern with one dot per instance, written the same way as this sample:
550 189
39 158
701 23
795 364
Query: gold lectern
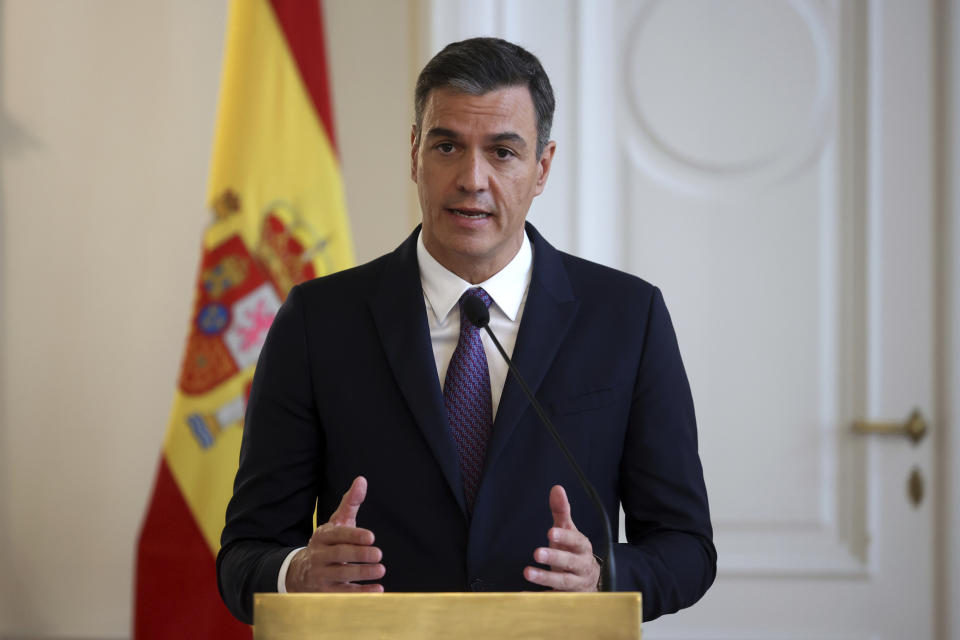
408 616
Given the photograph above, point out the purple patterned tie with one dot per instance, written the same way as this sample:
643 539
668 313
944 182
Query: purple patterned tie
466 392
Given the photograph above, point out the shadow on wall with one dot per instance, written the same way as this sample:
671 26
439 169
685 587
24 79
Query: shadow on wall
14 141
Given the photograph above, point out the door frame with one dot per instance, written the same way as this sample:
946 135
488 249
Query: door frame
947 538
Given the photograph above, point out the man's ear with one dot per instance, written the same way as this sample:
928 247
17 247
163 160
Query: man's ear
543 166
414 150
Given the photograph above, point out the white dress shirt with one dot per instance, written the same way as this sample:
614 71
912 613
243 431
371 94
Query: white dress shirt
441 291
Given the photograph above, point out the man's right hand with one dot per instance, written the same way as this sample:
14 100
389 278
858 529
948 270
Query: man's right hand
339 553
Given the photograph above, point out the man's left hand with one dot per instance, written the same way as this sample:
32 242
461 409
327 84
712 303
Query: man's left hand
573 566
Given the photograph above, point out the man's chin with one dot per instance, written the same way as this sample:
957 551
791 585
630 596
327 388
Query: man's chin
468 242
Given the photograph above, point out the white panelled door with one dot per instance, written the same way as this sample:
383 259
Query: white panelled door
777 173
768 164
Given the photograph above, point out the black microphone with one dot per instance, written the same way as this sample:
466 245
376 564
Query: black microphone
479 316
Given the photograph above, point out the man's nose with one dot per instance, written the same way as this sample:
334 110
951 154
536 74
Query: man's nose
474 172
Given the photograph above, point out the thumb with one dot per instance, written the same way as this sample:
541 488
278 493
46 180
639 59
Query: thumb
346 513
560 508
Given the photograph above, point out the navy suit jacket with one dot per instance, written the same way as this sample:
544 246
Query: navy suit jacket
346 385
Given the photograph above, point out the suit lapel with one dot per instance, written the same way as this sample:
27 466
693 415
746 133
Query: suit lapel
547 316
400 316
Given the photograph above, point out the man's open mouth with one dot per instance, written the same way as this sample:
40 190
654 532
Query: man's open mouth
469 213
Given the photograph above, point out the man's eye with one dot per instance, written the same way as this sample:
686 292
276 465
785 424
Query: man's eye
445 147
503 153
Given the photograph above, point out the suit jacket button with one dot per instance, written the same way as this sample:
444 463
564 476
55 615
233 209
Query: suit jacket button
477 585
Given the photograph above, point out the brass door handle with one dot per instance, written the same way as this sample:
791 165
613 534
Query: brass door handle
914 428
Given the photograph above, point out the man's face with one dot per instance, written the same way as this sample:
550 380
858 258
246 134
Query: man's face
477 171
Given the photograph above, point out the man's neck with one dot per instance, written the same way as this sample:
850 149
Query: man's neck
472 269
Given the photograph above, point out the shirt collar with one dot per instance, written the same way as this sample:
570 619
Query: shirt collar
507 287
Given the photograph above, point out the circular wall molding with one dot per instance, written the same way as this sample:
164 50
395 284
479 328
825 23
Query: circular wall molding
744 100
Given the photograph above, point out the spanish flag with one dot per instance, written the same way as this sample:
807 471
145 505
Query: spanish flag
277 217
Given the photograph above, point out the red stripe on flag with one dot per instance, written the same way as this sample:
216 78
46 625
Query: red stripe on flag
302 23
176 590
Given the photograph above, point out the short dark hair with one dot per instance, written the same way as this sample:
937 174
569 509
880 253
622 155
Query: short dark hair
480 65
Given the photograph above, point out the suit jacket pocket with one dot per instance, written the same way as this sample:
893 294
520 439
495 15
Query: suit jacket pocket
580 401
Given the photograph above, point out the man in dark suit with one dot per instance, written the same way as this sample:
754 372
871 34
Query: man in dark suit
457 486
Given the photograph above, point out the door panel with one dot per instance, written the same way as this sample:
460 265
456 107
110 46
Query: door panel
776 164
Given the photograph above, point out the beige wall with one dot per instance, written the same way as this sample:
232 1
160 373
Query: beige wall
106 120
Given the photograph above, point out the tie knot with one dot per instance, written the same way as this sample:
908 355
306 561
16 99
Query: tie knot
476 292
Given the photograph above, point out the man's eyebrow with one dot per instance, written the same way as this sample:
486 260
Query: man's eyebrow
509 136
440 132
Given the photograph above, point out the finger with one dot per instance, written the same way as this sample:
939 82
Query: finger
570 540
559 560
354 572
557 580
329 534
560 508
341 553
346 512
349 587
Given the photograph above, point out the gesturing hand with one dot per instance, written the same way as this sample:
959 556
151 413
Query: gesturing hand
570 554
339 553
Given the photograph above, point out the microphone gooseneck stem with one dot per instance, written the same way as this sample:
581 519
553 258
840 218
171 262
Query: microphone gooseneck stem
608 571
